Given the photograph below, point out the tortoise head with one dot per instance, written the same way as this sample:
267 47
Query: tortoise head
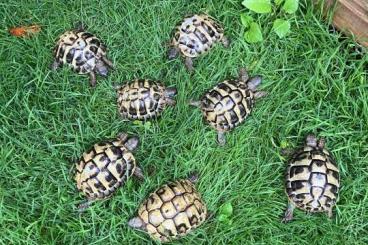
136 223
169 95
130 143
312 141
254 82
173 53
102 68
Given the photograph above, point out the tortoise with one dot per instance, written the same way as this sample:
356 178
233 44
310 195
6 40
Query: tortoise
143 99
229 103
105 167
194 36
172 211
312 179
83 52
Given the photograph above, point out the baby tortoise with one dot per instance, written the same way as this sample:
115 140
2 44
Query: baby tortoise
194 36
83 52
105 167
229 103
171 211
312 179
142 99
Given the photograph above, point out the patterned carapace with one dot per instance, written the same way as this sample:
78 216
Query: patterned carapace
197 34
143 99
227 105
312 180
104 168
80 50
172 211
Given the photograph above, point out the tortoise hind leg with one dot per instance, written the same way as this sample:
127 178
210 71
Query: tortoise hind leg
92 79
289 213
189 64
225 41
221 139
55 65
80 26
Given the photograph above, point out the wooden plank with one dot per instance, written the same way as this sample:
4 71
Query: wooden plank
350 16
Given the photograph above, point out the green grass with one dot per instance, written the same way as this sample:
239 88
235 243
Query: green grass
316 83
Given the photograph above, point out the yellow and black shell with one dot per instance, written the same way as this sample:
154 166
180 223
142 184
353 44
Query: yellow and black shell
80 50
227 105
312 179
197 34
143 99
105 167
171 211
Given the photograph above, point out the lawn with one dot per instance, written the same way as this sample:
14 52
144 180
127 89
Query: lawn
315 77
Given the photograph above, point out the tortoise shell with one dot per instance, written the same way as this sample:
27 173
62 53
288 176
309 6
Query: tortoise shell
105 167
227 105
80 50
143 99
171 211
197 34
312 179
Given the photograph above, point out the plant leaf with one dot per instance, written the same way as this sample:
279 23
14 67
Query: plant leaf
290 6
223 218
137 122
226 209
284 144
254 33
278 2
245 20
258 6
281 27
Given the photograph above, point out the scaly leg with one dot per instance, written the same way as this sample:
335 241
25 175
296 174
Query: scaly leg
189 64
289 213
92 79
221 139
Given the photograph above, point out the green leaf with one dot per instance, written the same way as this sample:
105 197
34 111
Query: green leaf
281 27
137 122
246 20
258 6
226 209
290 6
254 33
284 144
278 2
223 218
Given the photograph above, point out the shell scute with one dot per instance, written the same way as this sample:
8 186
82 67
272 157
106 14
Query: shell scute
141 99
174 210
104 168
312 179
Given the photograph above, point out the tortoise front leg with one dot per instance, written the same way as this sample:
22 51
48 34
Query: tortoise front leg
260 94
55 65
225 41
92 78
289 213
138 173
189 64
195 103
221 139
329 213
108 62
243 75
